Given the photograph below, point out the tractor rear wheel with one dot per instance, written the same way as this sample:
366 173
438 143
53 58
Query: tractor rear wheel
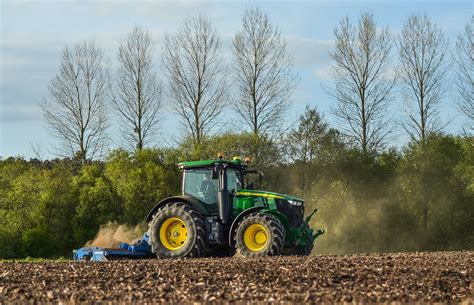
260 234
177 230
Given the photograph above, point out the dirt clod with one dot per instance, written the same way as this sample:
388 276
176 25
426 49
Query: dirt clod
404 277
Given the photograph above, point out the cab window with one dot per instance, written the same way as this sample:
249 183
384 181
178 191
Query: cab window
233 182
199 184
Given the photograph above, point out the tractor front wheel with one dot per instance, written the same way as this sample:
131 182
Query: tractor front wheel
260 234
177 230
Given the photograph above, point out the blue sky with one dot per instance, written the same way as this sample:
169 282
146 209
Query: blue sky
33 34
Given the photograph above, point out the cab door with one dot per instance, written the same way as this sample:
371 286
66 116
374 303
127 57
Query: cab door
200 184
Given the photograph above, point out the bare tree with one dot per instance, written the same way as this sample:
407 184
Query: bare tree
76 109
194 67
423 64
138 94
363 82
263 72
464 59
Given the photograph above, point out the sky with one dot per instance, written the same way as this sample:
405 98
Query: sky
33 33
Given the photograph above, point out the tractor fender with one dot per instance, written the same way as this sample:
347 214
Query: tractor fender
237 219
196 204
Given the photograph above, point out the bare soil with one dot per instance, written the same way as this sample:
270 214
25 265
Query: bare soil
402 277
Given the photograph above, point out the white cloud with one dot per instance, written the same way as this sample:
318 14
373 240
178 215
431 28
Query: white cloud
309 51
173 11
12 112
323 73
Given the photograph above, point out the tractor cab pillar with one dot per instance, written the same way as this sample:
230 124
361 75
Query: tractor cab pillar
223 199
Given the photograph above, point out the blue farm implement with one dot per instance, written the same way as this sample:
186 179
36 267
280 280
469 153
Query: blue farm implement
140 249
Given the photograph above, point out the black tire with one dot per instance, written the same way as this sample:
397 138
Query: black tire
275 235
195 242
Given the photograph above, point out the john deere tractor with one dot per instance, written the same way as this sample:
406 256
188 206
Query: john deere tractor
220 212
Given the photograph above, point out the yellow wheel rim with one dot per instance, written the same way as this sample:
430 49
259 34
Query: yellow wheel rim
255 237
173 233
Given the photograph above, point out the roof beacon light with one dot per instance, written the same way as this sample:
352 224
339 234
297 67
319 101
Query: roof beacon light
247 159
220 155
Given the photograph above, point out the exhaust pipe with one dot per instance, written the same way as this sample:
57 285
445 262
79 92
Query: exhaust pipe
225 208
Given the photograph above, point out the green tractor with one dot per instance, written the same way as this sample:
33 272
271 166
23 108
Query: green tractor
219 213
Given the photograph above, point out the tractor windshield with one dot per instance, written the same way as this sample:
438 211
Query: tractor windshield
199 183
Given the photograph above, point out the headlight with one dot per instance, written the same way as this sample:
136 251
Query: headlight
296 203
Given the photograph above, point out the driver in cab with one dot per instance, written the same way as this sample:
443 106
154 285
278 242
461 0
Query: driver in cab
208 188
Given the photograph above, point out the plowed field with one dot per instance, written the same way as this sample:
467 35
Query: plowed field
406 277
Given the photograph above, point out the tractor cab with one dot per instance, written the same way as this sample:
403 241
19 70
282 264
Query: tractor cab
203 183
215 183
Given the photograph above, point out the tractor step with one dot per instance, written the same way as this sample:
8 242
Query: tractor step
140 249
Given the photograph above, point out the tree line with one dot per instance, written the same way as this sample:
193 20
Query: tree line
372 196
415 199
199 84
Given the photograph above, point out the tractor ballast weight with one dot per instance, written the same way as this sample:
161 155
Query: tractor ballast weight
219 212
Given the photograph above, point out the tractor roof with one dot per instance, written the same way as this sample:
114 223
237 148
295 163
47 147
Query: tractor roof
206 163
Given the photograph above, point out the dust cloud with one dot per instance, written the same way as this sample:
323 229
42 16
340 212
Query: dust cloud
112 234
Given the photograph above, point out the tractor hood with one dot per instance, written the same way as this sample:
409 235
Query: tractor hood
256 193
